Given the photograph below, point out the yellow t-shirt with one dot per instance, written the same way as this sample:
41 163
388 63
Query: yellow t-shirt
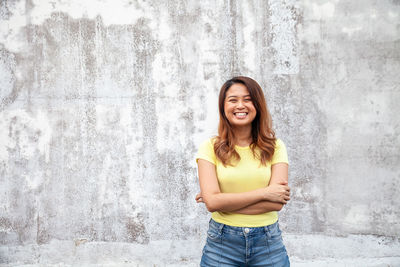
247 174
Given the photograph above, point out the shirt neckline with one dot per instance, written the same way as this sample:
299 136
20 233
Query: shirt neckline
242 147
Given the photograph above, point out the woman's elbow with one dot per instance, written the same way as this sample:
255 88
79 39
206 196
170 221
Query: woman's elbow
210 204
210 207
279 207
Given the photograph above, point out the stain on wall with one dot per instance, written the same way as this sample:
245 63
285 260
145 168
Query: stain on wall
103 105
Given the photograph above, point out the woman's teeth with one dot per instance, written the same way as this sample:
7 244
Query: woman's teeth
240 114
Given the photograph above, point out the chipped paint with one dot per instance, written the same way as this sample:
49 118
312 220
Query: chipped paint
29 134
283 34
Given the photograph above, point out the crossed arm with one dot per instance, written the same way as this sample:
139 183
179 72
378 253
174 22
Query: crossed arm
270 198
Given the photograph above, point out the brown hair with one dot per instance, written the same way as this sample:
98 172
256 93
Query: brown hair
262 134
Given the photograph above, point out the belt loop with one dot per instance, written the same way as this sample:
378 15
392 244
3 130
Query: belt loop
220 227
267 232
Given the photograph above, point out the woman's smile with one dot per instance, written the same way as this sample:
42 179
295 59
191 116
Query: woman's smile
240 115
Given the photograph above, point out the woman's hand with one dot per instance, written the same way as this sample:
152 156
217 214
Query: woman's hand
199 198
279 192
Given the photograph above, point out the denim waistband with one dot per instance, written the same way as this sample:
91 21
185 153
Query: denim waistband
242 230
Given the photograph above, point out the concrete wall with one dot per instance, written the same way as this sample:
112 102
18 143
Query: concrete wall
103 105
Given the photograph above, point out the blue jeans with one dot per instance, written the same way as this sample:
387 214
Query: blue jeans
244 246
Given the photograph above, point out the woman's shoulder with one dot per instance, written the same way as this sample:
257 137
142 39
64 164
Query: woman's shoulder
208 144
206 150
209 141
280 154
279 143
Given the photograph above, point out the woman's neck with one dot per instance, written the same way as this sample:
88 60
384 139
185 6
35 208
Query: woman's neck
242 136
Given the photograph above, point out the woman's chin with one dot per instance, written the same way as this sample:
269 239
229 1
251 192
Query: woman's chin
241 124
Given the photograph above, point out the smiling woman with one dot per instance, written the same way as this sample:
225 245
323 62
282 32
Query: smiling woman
243 174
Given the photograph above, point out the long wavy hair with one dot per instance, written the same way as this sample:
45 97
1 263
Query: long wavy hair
263 136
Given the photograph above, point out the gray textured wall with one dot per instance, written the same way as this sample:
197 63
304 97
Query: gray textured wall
103 105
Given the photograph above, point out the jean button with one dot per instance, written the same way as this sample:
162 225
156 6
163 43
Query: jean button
246 230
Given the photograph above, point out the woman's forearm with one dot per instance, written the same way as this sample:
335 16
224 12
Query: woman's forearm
228 202
259 208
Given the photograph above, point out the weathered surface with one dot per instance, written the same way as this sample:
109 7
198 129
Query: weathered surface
103 105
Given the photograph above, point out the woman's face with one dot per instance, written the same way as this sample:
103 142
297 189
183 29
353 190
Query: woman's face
238 106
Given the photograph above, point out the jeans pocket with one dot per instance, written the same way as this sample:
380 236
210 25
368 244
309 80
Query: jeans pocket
213 234
275 232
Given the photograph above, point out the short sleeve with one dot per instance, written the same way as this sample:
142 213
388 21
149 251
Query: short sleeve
206 151
280 154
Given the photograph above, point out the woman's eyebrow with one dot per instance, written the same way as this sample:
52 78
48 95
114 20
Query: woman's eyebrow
237 96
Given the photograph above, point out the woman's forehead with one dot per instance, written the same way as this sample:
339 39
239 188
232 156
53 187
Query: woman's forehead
237 89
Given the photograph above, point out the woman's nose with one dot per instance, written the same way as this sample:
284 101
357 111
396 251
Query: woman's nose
240 104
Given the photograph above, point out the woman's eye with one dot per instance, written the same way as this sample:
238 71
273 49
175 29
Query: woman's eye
247 99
